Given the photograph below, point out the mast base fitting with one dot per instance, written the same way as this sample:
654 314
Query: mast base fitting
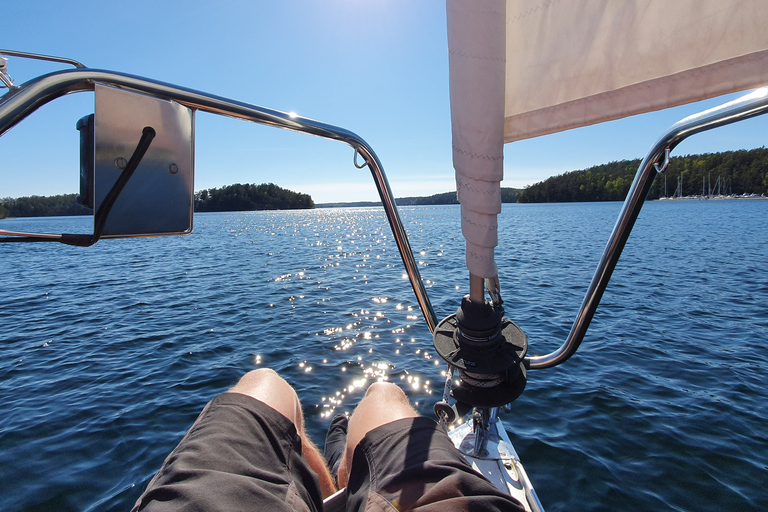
488 350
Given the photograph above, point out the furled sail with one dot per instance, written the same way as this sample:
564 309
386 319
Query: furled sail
572 63
476 46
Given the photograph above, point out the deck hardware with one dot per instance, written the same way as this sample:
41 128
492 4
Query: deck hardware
173 168
487 349
493 288
444 417
4 76
445 413
663 167
480 426
448 381
120 163
365 162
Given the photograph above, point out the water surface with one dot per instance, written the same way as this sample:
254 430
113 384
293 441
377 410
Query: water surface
110 352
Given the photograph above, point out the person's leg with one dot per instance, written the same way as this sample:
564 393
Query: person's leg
383 403
246 450
336 442
395 459
267 386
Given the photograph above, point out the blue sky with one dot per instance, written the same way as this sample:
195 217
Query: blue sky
378 68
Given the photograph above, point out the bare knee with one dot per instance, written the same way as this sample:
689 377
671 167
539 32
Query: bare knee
385 391
259 382
265 385
260 374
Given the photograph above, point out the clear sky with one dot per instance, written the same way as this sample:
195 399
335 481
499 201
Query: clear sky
376 67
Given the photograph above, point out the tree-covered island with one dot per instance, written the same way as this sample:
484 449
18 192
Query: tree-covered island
708 174
231 198
724 174
238 197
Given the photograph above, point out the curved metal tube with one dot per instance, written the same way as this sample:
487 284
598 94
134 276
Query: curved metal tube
18 103
751 105
38 56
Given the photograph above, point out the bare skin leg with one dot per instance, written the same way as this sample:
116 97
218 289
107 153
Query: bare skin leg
267 386
383 403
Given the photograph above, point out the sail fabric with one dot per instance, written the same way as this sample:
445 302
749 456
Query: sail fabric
525 68
573 63
476 47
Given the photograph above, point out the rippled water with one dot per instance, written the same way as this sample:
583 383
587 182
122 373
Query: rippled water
109 353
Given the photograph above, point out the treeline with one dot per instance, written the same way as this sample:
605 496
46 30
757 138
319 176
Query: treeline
226 199
738 172
41 206
508 195
238 197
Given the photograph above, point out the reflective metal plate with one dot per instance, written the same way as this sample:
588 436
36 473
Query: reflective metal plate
158 199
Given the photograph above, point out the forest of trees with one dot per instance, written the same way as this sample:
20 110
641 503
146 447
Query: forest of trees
738 171
235 197
238 197
41 206
730 172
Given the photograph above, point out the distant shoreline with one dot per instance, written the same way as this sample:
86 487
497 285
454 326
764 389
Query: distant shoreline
707 198
358 204
363 204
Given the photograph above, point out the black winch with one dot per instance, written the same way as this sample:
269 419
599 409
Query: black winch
488 350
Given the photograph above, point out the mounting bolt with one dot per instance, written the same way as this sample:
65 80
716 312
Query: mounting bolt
121 163
173 168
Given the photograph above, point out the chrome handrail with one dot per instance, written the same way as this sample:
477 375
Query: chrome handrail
21 101
750 105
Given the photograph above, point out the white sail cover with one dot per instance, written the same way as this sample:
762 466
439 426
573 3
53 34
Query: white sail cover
572 63
476 47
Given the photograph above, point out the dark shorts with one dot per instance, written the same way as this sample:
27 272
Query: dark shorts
240 454
243 455
411 464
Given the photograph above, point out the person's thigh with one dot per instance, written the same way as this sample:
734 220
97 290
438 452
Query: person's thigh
383 403
241 454
411 464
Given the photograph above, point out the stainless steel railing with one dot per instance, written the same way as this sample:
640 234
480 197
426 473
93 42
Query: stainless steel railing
751 105
20 101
